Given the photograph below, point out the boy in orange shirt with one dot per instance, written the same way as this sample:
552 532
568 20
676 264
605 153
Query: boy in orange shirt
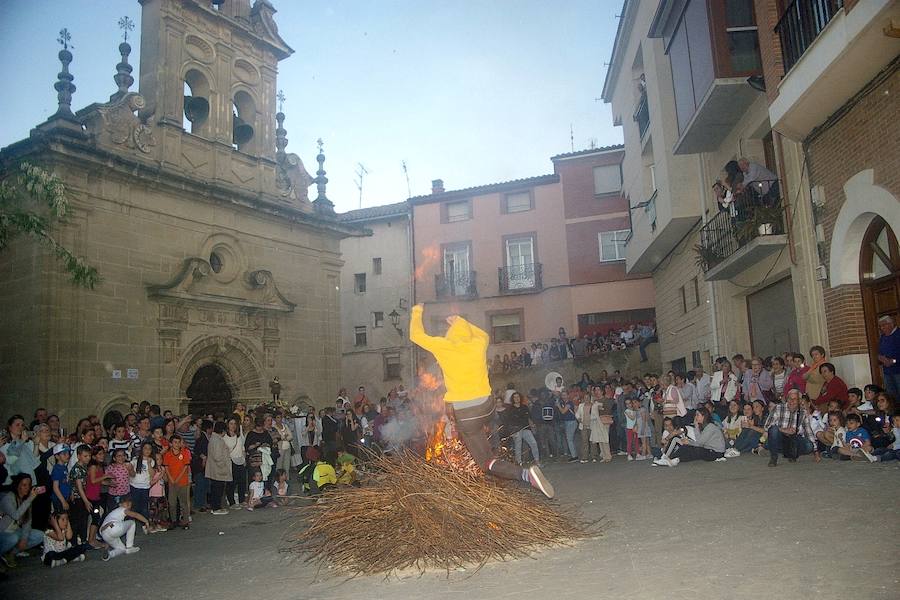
176 462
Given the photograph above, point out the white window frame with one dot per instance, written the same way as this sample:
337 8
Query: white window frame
621 236
526 208
360 329
377 319
617 188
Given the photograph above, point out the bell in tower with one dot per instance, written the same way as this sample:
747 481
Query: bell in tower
208 74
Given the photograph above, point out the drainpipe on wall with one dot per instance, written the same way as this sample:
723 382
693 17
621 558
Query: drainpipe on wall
410 250
703 197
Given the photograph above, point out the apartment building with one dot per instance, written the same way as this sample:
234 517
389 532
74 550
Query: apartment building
730 274
833 90
376 290
524 258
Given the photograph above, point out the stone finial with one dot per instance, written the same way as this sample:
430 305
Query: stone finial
281 140
123 76
322 204
64 86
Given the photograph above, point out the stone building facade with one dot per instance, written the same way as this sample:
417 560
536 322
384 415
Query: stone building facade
376 292
218 272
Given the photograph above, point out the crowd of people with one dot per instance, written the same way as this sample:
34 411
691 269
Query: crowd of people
70 494
565 347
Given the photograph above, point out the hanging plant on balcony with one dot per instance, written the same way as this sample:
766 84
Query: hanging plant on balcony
706 256
763 220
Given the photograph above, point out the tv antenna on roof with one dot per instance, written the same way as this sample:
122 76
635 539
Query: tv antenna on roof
361 172
406 174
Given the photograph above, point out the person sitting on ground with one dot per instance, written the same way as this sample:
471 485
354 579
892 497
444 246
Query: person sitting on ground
857 441
752 429
789 419
734 423
280 486
259 496
669 433
16 535
878 421
830 439
834 388
346 473
58 548
120 523
892 452
709 444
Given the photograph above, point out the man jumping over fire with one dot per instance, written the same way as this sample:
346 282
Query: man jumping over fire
462 356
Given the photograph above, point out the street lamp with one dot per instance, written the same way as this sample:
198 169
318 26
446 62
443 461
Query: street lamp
395 321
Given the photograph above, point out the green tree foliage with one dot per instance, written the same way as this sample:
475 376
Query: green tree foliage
31 201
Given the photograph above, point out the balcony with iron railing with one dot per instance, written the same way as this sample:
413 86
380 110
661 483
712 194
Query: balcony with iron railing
744 232
455 284
520 279
801 23
830 50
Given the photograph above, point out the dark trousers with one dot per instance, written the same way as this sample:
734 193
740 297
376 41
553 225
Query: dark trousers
68 554
775 442
79 519
140 499
643 346
216 491
238 482
688 453
470 423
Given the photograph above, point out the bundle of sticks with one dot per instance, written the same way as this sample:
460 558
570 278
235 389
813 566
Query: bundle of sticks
422 515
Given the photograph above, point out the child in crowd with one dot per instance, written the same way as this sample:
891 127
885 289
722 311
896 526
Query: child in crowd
644 429
631 417
118 523
279 486
892 452
830 439
141 470
119 484
158 497
177 463
817 420
80 508
60 477
259 495
97 479
668 434
58 548
733 423
858 442
347 473
159 439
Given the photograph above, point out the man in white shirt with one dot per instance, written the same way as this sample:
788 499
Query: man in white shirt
756 176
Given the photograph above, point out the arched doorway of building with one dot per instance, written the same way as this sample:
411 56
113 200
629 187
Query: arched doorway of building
879 275
209 392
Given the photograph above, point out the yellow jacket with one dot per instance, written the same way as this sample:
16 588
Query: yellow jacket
461 354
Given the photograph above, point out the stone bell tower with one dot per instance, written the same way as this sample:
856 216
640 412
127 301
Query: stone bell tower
208 76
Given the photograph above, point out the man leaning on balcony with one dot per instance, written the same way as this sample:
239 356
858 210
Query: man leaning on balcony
759 179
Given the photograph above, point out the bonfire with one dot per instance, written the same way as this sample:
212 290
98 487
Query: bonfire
439 512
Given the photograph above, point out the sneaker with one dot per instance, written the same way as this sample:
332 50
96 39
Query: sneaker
721 459
582 461
593 460
250 508
221 511
630 457
105 556
673 462
621 453
58 563
538 481
573 459
22 554
132 550
235 507
662 461
79 558
9 559
872 458
773 460
641 457
732 453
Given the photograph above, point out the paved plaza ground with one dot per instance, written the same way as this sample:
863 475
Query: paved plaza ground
736 530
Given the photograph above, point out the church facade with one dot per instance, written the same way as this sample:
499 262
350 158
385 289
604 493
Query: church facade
218 273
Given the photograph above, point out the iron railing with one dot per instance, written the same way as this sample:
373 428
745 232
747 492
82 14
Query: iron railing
801 23
748 217
642 116
520 278
455 284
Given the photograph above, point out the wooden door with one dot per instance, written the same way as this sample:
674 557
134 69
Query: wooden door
880 277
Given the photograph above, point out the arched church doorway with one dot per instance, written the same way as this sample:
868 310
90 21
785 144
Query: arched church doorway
209 392
879 275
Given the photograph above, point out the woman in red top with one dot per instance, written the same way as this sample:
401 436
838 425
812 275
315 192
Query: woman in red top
834 388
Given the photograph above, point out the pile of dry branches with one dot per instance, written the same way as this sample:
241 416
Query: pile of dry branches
416 514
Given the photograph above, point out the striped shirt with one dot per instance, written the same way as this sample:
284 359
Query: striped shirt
125 445
189 438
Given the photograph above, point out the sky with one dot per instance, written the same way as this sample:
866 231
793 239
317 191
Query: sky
471 92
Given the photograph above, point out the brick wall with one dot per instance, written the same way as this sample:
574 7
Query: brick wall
864 138
767 16
577 177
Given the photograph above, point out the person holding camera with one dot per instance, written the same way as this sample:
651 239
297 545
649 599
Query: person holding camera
16 535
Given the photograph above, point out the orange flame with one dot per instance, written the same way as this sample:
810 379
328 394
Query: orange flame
429 381
450 452
430 255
